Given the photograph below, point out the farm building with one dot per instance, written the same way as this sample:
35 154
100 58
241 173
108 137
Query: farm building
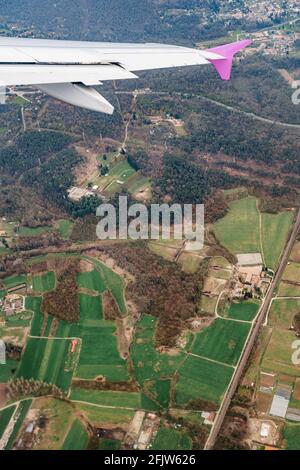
281 401
249 259
75 193
293 414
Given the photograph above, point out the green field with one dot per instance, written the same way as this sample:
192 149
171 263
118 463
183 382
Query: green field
34 304
189 262
282 312
291 436
202 379
44 282
13 281
99 354
20 415
148 363
90 309
19 320
208 304
100 416
137 183
33 232
48 326
288 287
108 398
48 360
275 230
292 272
239 231
170 439
5 416
288 290
118 171
122 171
91 280
65 228
245 310
7 371
16 333
77 438
60 416
278 356
222 341
113 282
122 400
161 390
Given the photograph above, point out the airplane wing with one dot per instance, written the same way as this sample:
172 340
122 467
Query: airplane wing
68 70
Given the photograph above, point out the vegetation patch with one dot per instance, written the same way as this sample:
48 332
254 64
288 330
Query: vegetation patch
102 417
291 436
65 227
170 439
8 370
59 415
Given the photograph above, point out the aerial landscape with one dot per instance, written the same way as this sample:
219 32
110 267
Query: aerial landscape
153 344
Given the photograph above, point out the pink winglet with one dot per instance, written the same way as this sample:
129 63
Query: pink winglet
224 66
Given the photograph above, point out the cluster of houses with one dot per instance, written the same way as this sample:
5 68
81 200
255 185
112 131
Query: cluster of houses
251 279
12 304
263 11
275 42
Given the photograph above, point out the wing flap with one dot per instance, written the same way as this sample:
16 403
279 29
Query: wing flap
78 95
37 74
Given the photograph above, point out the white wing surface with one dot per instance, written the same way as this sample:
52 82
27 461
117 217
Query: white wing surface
68 69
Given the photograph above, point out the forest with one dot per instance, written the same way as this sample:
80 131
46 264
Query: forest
142 20
159 288
63 302
30 150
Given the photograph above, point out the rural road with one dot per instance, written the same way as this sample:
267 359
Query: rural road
217 103
252 338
